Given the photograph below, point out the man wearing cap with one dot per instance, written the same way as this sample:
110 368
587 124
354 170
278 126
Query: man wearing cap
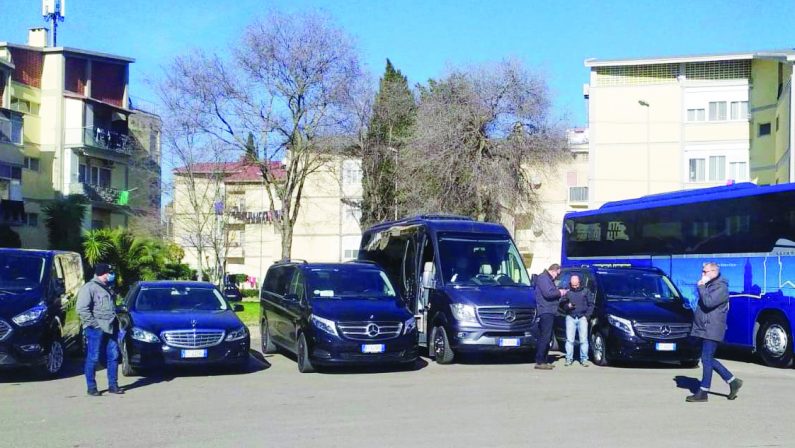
97 310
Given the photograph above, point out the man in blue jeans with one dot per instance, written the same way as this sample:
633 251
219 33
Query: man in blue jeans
97 310
578 309
709 324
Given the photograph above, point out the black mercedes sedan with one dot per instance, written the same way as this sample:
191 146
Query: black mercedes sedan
180 323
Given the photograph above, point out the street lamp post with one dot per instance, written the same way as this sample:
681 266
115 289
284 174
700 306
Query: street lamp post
645 104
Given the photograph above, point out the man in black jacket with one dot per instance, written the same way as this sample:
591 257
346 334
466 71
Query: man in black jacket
547 299
709 324
579 308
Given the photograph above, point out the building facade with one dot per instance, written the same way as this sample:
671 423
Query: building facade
65 128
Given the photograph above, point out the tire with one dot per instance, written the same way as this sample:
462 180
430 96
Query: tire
599 349
126 368
774 342
302 355
54 360
689 363
441 350
268 347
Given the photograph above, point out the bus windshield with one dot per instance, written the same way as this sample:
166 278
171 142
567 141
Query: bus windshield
637 286
474 261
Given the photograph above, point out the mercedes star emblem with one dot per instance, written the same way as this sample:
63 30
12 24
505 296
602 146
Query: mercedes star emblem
510 316
372 330
665 330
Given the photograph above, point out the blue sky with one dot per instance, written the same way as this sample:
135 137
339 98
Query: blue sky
422 38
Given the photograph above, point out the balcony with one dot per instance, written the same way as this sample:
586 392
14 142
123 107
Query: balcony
96 193
118 143
11 126
578 196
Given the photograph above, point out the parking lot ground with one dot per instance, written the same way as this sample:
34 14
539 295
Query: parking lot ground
488 402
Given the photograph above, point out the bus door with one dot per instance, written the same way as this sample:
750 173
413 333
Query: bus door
428 275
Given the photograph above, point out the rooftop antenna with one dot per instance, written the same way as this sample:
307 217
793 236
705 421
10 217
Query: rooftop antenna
54 10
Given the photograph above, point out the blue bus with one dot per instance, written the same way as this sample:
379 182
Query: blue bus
748 230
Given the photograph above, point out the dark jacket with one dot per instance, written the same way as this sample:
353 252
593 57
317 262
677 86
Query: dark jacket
583 301
96 307
709 321
547 294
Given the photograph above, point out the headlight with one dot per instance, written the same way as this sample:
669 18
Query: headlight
410 325
622 324
144 336
238 334
324 324
465 313
31 316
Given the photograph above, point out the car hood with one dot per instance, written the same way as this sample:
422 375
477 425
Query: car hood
18 301
520 297
650 311
360 309
158 321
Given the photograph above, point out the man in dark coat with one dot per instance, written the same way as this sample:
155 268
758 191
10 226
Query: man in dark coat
709 324
547 300
579 308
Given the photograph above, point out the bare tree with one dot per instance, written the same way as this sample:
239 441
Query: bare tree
477 134
288 83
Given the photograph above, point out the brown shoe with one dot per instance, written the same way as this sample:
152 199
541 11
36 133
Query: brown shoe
544 367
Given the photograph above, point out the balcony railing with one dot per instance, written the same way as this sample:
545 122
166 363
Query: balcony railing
11 126
100 138
97 193
578 195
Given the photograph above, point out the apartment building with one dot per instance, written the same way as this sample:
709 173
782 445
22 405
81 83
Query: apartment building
65 128
224 209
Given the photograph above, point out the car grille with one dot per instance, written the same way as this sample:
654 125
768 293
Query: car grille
506 316
370 331
662 330
193 338
5 330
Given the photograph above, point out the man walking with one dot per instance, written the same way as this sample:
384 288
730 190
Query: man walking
709 324
97 310
578 312
547 300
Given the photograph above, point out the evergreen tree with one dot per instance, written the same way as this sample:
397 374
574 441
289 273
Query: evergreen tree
251 148
393 115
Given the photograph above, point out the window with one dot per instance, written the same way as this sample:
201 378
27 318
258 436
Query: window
695 115
351 173
717 168
696 170
739 110
717 111
32 163
32 219
764 129
351 254
104 177
738 170
94 179
81 173
351 213
578 194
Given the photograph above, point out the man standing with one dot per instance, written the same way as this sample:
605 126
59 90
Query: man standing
709 324
578 312
97 310
547 299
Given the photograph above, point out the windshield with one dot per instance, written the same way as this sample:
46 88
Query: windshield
637 286
349 282
179 299
472 261
21 272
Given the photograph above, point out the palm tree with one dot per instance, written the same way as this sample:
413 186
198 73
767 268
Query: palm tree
64 221
134 258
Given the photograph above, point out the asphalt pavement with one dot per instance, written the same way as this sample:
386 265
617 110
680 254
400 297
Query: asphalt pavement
488 402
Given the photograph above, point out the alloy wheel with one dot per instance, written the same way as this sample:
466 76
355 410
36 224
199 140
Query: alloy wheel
55 357
776 340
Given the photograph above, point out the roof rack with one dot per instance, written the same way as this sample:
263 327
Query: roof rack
443 216
291 260
363 261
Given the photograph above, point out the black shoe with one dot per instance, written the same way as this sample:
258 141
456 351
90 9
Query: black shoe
734 387
93 393
698 397
116 390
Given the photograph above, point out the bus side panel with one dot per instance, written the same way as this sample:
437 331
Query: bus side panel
773 286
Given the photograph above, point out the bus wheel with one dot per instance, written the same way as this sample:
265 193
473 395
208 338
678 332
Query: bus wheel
774 342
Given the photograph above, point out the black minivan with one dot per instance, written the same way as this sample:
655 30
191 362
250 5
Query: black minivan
640 315
464 280
38 317
334 314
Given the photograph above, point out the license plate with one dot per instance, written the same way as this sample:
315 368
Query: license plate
665 346
509 342
373 348
194 353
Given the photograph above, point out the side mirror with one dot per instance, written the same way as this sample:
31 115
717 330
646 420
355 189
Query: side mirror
428 276
121 309
237 307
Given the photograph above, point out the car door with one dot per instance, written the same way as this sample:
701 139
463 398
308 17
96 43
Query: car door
274 290
294 303
59 291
